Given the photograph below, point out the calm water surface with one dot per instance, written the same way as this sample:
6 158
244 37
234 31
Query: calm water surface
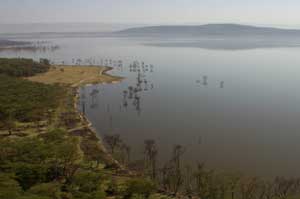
234 110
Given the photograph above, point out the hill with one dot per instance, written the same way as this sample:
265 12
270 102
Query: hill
207 30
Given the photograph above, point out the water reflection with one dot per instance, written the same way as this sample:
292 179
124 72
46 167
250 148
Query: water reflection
230 44
91 61
236 125
82 100
37 47
222 84
133 95
204 82
94 95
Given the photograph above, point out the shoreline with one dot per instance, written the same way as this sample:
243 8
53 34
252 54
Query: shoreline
73 75
73 78
88 124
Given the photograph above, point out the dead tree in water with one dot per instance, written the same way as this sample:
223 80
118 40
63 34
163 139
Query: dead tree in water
209 184
200 176
233 184
113 141
171 175
165 177
178 151
150 158
248 188
125 153
269 190
285 188
188 181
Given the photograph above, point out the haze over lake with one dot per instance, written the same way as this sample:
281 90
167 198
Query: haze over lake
232 102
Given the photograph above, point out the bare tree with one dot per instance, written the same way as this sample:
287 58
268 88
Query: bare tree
203 181
178 151
166 176
285 187
248 188
233 183
188 181
150 157
125 153
269 190
113 141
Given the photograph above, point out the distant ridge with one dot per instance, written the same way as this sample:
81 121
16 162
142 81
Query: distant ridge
207 30
4 43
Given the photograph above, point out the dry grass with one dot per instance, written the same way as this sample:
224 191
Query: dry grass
75 75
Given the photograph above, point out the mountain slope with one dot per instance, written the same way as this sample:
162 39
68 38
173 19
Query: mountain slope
207 30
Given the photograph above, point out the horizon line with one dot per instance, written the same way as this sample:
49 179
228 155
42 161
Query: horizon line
148 23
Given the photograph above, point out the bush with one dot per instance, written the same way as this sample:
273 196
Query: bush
22 67
87 181
137 196
141 187
30 174
34 160
87 185
25 101
159 196
9 187
51 190
117 188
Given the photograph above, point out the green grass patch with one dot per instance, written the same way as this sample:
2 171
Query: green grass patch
25 101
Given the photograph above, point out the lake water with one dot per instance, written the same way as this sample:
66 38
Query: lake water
235 110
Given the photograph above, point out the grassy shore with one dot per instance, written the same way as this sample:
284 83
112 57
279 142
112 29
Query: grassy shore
75 75
69 79
75 164
67 116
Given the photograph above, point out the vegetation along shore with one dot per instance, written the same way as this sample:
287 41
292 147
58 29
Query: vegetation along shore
48 150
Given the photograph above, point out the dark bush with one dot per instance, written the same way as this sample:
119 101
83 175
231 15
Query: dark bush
140 186
18 67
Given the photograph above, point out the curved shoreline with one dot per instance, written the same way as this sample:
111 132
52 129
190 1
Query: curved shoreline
73 78
88 124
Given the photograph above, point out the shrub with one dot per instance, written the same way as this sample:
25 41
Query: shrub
9 187
137 196
18 67
25 101
140 186
51 190
87 185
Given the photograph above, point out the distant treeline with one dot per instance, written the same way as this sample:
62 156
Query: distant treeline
19 67
5 43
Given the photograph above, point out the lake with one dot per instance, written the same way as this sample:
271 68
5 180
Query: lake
235 110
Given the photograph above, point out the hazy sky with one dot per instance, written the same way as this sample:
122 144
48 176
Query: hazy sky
281 12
